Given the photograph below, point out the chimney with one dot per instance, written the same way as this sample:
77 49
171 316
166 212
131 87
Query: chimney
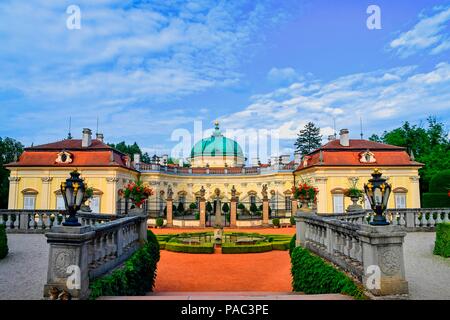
137 158
297 157
99 136
87 138
331 137
344 140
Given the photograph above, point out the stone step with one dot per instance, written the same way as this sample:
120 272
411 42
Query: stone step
243 295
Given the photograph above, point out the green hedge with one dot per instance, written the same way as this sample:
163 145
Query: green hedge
435 200
3 242
440 182
312 275
280 245
207 247
442 243
259 247
136 277
292 244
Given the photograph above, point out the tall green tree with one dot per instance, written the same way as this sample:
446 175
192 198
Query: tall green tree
10 150
131 150
430 146
308 139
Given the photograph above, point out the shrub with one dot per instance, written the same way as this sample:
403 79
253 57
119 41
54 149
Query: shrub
292 221
292 244
442 243
180 208
193 206
276 222
136 277
197 216
312 275
208 207
259 247
241 206
440 182
253 208
225 207
435 200
207 247
159 222
3 242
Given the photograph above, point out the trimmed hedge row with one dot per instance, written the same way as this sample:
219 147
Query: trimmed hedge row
312 275
3 242
136 277
442 243
255 248
292 244
435 200
280 245
207 247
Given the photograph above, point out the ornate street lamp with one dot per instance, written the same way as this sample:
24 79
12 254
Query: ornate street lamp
378 191
73 190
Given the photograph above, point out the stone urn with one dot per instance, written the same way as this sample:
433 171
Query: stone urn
136 211
354 206
304 208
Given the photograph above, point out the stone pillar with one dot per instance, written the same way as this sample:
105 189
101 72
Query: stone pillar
13 192
169 211
294 205
233 212
202 209
300 231
45 197
322 196
382 248
111 186
68 247
414 195
265 213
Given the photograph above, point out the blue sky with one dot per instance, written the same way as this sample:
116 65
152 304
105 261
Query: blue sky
146 68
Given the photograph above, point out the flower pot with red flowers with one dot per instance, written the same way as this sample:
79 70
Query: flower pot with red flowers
137 193
307 196
355 195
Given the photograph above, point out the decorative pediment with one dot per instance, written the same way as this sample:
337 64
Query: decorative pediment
367 157
400 190
64 157
29 191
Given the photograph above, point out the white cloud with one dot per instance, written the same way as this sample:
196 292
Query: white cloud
283 75
430 33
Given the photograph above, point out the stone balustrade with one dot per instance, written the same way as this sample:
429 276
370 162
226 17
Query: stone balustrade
92 250
412 219
41 221
358 248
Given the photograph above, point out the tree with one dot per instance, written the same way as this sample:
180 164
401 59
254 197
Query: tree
430 146
131 150
308 139
10 150
225 207
209 207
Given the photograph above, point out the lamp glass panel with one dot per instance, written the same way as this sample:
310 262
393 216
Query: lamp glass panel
378 196
69 196
79 197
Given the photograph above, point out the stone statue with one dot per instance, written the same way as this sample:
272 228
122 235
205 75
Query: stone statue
217 192
202 192
233 192
169 193
264 191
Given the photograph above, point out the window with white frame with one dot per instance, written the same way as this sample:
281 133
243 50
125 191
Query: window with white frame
60 205
338 203
287 202
95 204
400 200
29 201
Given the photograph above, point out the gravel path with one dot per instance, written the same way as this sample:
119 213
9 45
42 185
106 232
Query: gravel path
428 275
24 270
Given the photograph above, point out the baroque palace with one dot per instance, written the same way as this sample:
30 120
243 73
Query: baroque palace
217 166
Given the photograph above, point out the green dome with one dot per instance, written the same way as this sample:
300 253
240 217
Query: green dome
217 146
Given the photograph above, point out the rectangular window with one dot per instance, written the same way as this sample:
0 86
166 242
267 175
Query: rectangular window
95 204
60 205
252 199
287 202
181 199
29 202
400 200
338 203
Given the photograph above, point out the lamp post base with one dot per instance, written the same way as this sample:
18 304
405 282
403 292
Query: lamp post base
379 220
72 221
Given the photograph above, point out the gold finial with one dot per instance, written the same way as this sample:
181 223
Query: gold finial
376 170
216 123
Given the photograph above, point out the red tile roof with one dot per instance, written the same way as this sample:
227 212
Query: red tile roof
97 155
333 154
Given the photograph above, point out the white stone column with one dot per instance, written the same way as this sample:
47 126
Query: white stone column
13 192
414 193
322 197
46 193
111 193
